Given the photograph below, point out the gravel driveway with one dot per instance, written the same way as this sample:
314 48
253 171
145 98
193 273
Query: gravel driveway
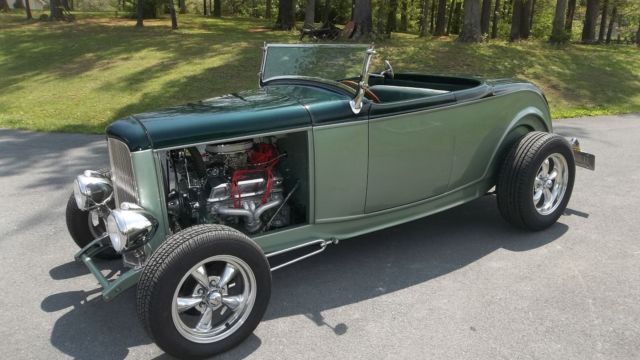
458 285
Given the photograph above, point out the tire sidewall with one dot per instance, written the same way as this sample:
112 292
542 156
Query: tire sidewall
530 215
162 327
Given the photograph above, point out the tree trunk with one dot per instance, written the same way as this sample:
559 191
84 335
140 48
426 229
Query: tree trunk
457 18
496 18
363 19
172 13
614 14
441 18
325 13
571 11
452 7
18 4
309 14
267 12
391 16
603 22
590 19
4 6
353 8
54 10
27 9
286 15
204 7
525 28
533 11
404 17
65 4
424 8
183 6
485 19
140 13
516 20
217 8
432 22
471 31
558 32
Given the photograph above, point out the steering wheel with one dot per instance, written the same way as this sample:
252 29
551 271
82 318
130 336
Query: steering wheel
367 93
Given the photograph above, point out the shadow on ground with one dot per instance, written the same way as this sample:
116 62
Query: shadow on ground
353 271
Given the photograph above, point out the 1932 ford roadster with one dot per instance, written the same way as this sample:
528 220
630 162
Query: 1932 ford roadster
203 201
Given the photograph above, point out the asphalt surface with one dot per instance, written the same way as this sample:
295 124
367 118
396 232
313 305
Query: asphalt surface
458 285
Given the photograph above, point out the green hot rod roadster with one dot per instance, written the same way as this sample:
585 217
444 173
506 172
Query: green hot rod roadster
203 201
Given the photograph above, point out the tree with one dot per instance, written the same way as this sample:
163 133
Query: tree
183 6
520 20
496 18
140 13
486 16
590 19
391 16
4 6
267 12
172 13
433 15
558 34
450 18
286 15
603 21
614 14
18 4
471 31
423 18
27 9
440 18
571 12
404 16
309 14
363 19
525 22
217 8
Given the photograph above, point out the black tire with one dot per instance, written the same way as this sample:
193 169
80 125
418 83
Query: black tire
174 259
78 226
518 174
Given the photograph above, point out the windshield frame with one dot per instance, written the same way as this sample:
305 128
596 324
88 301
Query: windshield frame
367 52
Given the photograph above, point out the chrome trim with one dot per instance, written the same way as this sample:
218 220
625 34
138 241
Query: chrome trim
550 184
254 223
122 174
363 84
238 138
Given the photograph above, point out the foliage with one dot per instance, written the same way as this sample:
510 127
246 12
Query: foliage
79 77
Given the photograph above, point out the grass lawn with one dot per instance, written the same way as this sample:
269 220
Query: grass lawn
79 77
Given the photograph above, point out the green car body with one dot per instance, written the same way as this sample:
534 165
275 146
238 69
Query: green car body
389 163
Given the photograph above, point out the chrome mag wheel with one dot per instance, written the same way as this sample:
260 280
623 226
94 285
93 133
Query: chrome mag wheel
213 299
550 184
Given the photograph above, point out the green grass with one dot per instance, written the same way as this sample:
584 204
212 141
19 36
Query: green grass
79 77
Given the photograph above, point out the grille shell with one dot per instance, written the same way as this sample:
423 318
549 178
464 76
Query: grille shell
122 175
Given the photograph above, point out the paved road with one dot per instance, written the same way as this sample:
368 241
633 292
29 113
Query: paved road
458 285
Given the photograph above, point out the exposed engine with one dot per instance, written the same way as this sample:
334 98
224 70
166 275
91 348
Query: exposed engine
236 184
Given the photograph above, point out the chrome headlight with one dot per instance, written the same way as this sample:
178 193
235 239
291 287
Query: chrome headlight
130 227
91 189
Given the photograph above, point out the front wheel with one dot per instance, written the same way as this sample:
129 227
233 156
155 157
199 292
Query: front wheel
536 181
203 291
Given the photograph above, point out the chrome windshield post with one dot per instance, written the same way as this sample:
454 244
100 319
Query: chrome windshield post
363 84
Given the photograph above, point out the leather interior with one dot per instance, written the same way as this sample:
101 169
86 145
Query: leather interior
391 93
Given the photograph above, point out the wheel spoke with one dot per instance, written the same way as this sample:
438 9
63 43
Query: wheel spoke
545 166
548 198
233 301
228 274
205 321
186 303
553 175
537 195
200 274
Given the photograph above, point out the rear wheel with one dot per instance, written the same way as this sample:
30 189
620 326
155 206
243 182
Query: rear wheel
536 181
203 291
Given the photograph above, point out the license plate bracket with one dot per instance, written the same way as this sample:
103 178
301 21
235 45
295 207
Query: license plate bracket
585 160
